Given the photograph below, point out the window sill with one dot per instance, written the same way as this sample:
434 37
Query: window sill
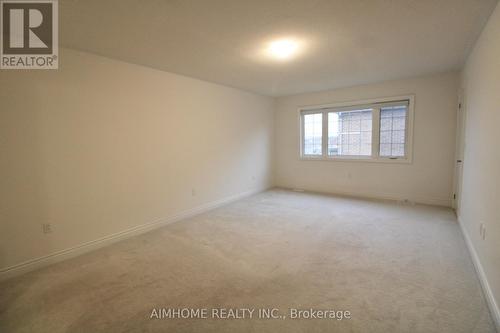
356 159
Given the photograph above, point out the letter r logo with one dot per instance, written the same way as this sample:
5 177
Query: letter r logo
27 27
17 26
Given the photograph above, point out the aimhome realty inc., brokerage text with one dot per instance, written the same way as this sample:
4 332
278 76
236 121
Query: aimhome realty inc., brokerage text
248 313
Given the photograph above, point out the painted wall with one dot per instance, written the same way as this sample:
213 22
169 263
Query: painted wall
480 199
100 146
428 179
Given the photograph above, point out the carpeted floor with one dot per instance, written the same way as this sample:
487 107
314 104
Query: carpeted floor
395 268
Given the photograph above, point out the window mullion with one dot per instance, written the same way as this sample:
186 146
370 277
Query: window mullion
376 132
324 140
302 135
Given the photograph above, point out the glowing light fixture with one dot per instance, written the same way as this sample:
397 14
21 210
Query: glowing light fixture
283 49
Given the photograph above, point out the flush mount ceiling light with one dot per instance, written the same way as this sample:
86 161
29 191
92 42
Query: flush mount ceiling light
283 49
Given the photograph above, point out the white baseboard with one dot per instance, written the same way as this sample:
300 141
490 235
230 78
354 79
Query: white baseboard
490 299
433 201
36 263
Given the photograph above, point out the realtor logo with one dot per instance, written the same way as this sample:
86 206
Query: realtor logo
29 33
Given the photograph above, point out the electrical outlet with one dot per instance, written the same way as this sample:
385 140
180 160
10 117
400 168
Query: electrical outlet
46 228
482 230
406 202
193 192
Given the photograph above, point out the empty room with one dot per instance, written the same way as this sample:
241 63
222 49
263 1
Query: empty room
250 166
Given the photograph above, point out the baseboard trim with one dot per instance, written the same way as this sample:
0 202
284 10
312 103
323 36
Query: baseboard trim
490 299
36 263
444 202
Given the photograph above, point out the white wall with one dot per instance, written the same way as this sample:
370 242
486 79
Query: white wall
480 200
100 146
427 180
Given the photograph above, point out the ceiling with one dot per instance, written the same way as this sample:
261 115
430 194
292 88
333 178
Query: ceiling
345 42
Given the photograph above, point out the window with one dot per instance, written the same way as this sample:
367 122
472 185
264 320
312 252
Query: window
313 131
392 131
350 133
374 131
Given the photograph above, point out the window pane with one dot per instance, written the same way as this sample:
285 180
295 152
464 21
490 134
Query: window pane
350 133
393 131
385 149
313 131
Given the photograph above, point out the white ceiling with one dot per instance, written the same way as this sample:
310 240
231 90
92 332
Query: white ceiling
348 42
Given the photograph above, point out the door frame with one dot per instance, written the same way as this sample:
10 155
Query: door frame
459 151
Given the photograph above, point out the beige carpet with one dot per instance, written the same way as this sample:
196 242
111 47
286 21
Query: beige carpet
396 268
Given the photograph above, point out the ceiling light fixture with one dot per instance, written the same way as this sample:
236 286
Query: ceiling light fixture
283 49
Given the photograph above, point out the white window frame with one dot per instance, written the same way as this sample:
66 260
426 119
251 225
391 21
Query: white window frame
374 104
